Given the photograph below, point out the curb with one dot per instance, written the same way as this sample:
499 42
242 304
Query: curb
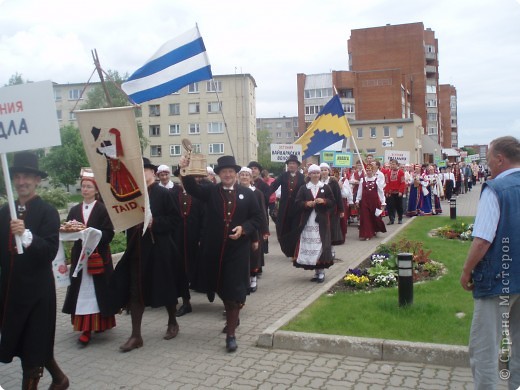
369 348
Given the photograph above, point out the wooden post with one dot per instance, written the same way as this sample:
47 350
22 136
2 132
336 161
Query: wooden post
101 77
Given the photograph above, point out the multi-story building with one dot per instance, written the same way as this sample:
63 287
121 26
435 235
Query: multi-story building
218 117
282 130
448 115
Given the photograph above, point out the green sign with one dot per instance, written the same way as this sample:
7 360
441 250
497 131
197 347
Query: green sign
342 160
441 164
327 157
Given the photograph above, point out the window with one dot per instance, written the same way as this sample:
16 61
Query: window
349 108
196 148
386 131
194 108
360 132
57 95
289 134
215 127
216 148
431 103
371 150
312 110
74 94
193 88
268 125
175 109
175 129
194 128
154 110
72 116
175 150
288 125
58 114
431 89
214 86
346 93
278 125
317 93
432 130
430 49
155 130
279 135
400 132
373 132
155 150
213 107
432 116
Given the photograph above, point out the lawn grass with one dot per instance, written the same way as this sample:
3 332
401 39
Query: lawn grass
376 314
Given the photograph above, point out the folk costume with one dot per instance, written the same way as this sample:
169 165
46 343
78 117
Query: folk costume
288 216
370 197
354 181
314 249
436 191
27 288
226 259
394 191
87 299
147 274
337 237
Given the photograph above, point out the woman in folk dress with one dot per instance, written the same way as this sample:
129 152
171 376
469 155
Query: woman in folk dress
87 296
315 201
370 197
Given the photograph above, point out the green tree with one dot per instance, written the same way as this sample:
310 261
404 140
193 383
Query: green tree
264 153
96 97
16 79
63 163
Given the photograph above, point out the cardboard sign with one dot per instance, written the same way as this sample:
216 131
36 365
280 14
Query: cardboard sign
327 157
28 117
281 152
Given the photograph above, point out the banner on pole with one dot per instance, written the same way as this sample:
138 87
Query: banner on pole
113 150
28 117
402 156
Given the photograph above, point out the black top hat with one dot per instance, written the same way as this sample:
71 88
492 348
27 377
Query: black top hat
148 164
254 164
293 158
226 162
26 162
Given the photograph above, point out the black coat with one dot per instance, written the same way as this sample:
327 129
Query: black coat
226 260
100 220
27 289
152 255
288 215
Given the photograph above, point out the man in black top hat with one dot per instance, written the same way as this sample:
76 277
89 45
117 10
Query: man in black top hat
27 289
290 182
231 218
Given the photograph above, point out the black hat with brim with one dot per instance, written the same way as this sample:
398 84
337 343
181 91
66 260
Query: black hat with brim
292 158
148 164
254 164
26 162
226 162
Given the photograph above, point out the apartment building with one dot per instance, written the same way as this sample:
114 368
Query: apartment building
448 115
282 130
218 116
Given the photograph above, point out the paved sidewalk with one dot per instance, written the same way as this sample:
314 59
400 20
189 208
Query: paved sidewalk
197 359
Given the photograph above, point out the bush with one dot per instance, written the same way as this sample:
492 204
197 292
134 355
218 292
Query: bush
118 243
55 196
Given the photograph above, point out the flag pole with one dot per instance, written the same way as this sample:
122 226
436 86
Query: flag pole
101 77
353 139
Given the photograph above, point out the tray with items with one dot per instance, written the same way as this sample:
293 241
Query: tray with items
72 226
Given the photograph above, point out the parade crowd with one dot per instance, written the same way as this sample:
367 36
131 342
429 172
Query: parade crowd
208 234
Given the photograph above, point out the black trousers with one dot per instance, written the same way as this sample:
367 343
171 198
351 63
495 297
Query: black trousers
394 203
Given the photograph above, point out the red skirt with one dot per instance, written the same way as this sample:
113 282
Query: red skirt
92 322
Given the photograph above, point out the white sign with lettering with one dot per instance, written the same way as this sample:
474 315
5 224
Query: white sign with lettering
28 117
281 152
402 156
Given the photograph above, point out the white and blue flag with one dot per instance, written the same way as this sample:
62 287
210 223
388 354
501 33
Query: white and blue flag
179 62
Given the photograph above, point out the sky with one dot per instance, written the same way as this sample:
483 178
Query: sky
479 45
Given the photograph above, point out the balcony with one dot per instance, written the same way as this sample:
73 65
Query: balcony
431 70
430 56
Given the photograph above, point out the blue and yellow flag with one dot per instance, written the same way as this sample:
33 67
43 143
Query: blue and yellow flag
330 126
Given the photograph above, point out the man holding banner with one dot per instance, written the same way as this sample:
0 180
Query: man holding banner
27 290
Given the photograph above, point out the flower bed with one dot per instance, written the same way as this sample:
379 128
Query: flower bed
381 268
458 230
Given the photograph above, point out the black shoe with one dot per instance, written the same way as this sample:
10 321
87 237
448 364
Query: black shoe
314 279
211 296
184 309
400 222
231 343
252 289
320 280
391 222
